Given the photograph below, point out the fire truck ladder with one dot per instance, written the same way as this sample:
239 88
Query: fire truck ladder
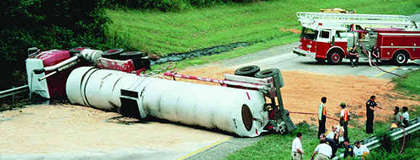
395 134
340 20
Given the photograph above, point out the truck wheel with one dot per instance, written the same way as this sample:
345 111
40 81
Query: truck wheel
131 55
273 72
334 57
112 53
248 71
320 60
400 58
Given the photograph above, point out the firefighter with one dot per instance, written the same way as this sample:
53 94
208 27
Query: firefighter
297 150
344 119
322 116
354 55
370 108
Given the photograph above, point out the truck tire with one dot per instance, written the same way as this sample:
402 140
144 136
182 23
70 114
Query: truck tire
76 50
248 71
131 55
334 57
112 53
273 72
400 58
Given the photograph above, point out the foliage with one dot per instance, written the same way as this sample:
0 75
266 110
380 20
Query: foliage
163 33
46 24
167 5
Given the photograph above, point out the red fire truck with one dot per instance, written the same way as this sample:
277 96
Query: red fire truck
331 36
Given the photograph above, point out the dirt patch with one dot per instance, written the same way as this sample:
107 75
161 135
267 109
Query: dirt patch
295 31
69 128
302 93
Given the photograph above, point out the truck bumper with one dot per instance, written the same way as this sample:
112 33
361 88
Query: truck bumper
301 52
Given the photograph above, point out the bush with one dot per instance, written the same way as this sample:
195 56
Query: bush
46 24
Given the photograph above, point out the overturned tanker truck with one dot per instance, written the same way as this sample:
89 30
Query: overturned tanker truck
247 104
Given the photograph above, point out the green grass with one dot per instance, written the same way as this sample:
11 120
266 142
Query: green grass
410 83
173 32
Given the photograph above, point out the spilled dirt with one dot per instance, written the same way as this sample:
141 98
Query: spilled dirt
71 128
303 90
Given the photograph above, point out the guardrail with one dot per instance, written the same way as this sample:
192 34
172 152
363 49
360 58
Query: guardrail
375 142
14 91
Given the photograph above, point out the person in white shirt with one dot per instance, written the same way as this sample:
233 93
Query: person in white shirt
297 150
360 150
405 116
323 151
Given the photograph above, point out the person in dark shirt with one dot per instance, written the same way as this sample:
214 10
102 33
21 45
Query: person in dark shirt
348 149
370 108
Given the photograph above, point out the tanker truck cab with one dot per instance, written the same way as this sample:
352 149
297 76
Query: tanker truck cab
322 44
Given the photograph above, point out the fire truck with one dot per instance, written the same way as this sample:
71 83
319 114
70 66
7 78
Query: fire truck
332 36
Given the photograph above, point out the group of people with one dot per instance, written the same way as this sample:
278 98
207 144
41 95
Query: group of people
400 119
327 148
338 136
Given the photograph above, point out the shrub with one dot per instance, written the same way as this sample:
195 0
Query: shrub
46 24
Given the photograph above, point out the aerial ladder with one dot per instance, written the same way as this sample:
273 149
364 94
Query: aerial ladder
342 21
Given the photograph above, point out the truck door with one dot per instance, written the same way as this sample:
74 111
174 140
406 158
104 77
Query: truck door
323 43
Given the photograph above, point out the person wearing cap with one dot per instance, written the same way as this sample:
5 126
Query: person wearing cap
323 151
370 108
348 149
344 119
360 150
297 150
322 116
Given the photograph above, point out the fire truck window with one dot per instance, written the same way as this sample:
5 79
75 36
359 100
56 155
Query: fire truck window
309 33
338 34
325 34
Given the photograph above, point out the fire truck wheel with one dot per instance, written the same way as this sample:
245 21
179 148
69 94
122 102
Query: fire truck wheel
112 53
248 71
400 58
334 57
273 72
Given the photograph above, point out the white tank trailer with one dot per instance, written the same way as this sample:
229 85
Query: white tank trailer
238 111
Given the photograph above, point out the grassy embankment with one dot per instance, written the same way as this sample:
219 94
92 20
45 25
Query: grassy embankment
279 146
267 23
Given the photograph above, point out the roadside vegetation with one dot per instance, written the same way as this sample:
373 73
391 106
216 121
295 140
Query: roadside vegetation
163 33
410 83
279 146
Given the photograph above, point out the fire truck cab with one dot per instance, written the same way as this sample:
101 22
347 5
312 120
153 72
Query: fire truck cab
331 36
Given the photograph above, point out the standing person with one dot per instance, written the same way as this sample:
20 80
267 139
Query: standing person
370 108
344 119
348 149
323 151
322 116
297 150
360 150
405 116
